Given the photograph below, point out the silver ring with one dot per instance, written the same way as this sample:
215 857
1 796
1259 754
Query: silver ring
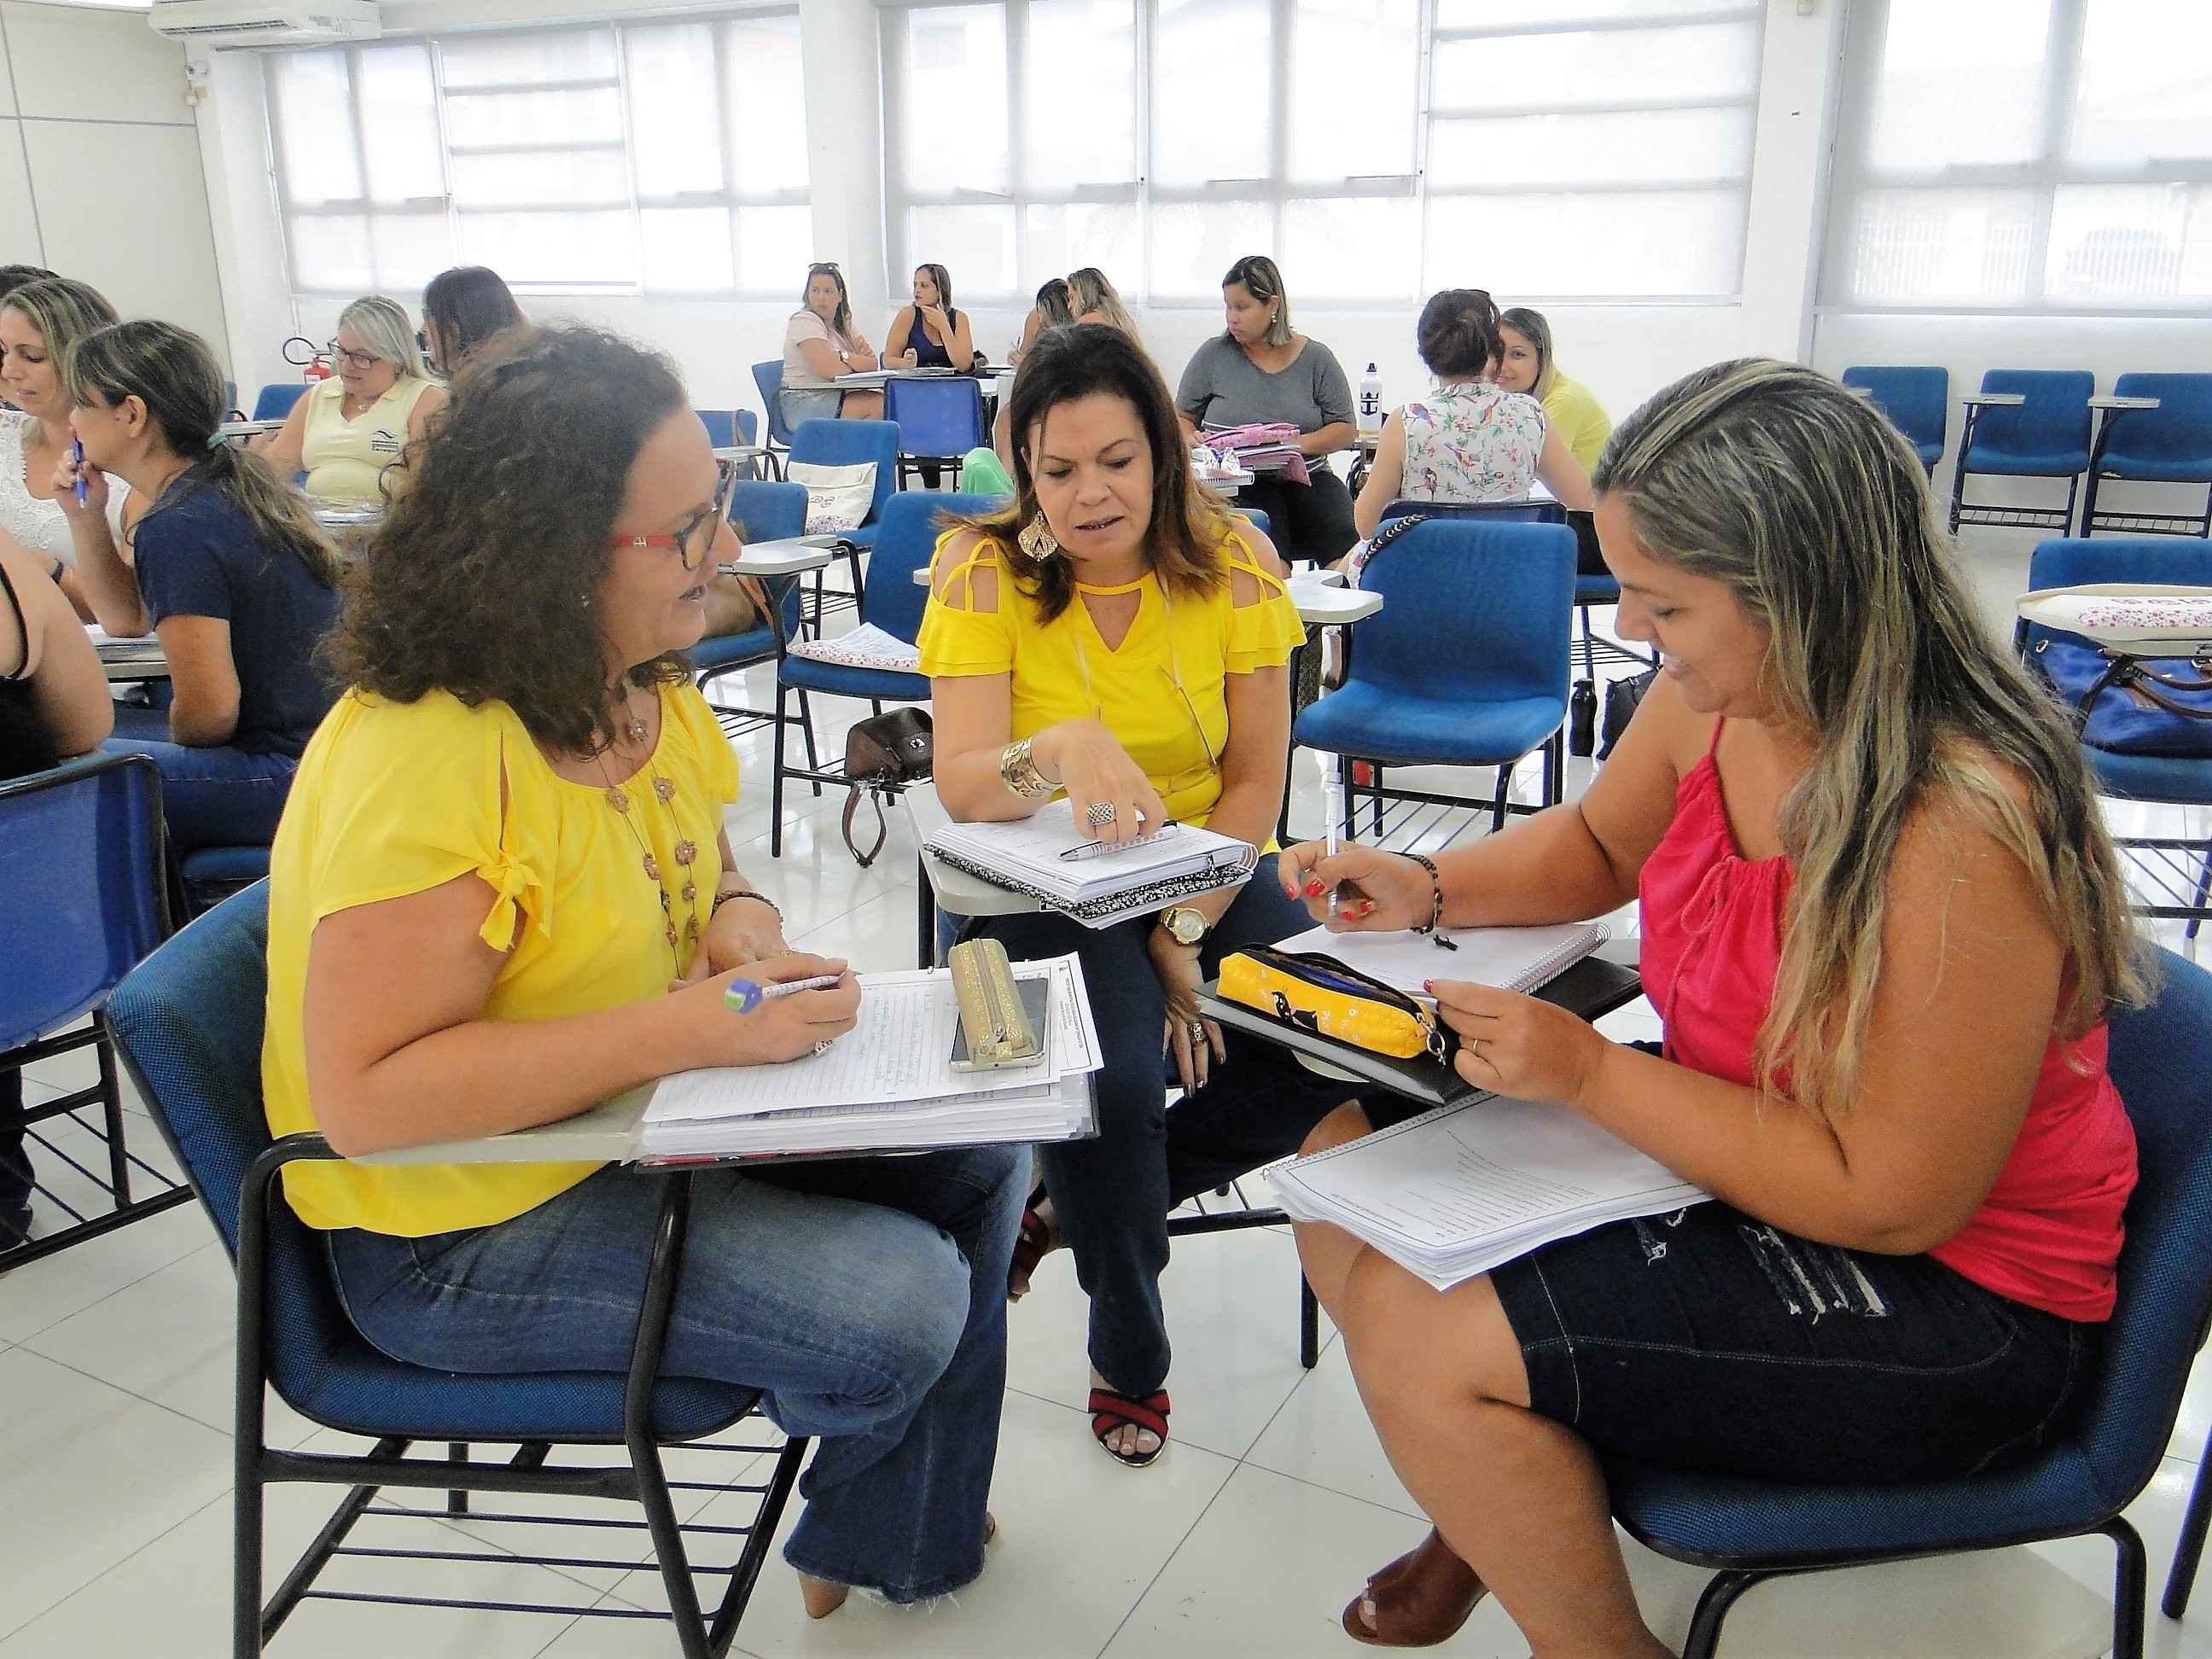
1100 813
823 1047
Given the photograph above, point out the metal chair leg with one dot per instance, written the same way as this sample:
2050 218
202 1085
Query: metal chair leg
1721 1592
1499 807
111 1105
1309 1325
806 731
2181 1576
776 784
457 1497
2130 1570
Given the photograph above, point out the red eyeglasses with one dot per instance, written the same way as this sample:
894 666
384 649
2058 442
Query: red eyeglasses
707 519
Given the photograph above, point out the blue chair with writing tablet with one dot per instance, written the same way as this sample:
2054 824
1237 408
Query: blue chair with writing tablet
275 399
760 511
2045 435
1915 400
2169 445
1751 1531
188 1024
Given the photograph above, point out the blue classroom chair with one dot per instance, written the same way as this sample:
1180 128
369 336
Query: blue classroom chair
275 399
1755 1530
939 420
81 863
760 511
188 1023
1466 665
2045 437
2169 444
893 601
1917 401
768 380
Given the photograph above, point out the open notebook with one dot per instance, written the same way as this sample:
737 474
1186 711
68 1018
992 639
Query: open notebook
1026 857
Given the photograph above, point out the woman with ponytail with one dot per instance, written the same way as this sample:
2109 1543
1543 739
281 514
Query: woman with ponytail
228 570
1883 926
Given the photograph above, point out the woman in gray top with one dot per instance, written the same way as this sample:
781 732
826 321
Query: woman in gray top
1259 370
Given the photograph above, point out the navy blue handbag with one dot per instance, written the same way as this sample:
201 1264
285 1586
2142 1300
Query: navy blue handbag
2132 705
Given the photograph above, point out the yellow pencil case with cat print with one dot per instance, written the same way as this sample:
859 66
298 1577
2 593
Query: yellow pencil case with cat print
1318 993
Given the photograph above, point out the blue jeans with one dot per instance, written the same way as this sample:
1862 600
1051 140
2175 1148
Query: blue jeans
866 1297
1111 1196
211 797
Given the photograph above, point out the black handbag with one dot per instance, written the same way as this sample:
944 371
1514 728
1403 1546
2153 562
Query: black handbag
1622 699
882 754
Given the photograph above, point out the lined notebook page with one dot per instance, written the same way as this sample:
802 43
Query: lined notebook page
1511 958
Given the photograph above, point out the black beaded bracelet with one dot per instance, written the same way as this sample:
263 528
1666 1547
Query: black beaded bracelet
1436 909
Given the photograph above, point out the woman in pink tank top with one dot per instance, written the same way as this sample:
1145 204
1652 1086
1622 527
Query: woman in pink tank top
1882 926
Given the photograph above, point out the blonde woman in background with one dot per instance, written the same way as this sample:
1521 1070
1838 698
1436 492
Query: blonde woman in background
1092 299
1885 927
39 320
350 430
1527 365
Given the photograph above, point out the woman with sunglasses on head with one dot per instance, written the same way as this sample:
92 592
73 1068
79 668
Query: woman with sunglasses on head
1116 632
348 432
819 344
227 569
525 804
39 320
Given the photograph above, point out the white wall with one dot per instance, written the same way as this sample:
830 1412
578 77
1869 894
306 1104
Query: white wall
99 166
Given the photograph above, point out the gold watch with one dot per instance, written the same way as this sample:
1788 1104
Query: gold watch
1185 926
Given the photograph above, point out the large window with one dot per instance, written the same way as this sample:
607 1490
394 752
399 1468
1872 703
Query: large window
2024 154
1378 148
665 156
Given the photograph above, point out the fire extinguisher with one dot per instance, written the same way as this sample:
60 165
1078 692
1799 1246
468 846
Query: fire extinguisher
314 365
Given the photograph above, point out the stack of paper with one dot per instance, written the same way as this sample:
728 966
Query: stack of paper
1030 856
888 1083
1458 1191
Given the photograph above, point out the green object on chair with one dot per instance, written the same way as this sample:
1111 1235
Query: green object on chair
981 474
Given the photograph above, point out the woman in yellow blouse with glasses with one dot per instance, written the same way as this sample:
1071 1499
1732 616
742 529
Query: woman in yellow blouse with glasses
1116 634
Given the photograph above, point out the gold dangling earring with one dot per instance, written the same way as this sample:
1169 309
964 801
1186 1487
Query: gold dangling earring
1036 538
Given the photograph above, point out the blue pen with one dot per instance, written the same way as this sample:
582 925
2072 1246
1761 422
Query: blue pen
76 454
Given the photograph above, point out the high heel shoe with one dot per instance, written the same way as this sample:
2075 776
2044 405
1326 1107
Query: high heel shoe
1420 1599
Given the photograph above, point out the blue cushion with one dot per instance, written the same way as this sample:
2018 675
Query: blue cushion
2151 470
2169 778
1394 726
843 680
2059 464
734 650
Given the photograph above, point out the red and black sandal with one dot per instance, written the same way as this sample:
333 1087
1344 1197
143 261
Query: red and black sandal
1110 1411
1032 1244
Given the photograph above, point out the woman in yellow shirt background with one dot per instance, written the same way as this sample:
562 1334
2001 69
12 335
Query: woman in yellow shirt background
503 891
1116 633
1527 365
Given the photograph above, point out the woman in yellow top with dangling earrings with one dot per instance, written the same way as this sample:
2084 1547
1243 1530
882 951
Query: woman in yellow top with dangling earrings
1117 634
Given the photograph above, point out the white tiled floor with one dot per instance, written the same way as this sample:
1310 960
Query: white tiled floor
1246 1539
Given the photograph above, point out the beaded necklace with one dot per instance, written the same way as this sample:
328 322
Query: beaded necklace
664 791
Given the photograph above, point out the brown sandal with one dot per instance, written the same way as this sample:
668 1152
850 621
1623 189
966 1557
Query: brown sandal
1420 1599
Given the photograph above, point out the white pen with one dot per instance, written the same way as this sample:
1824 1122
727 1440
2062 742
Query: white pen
742 996
1332 806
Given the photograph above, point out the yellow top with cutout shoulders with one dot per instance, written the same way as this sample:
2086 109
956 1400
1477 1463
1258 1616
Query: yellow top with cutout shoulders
1062 670
397 798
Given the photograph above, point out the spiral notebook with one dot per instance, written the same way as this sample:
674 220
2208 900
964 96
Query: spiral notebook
1025 857
1511 958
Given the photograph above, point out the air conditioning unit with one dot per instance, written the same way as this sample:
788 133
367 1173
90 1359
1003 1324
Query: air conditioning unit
265 22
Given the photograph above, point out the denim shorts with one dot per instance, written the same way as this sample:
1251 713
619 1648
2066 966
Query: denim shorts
1709 1341
809 403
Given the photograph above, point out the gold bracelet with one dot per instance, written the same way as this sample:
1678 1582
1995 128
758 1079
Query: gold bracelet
1020 773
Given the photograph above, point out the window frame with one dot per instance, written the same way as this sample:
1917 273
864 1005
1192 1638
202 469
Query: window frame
1278 190
634 200
1853 177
